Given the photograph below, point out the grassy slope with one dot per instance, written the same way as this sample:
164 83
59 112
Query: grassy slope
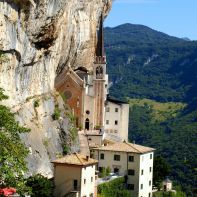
161 111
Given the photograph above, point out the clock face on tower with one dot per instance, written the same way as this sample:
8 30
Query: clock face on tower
99 72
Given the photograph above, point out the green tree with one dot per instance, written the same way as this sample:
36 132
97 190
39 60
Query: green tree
40 185
12 151
108 170
160 171
114 188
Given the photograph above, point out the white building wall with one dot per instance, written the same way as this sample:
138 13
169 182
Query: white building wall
108 161
88 186
145 164
64 177
89 106
141 162
122 116
124 120
134 179
112 116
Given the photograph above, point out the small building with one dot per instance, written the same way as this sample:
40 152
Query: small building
133 161
117 118
74 175
167 185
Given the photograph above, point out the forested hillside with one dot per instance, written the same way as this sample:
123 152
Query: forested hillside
146 64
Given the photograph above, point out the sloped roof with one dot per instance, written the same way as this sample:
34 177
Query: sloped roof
76 159
116 101
126 147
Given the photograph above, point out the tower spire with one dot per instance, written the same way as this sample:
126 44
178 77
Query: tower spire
100 52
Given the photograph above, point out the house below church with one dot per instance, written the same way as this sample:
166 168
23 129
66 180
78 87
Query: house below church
74 176
133 161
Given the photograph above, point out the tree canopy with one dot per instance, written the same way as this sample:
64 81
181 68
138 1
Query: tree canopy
12 151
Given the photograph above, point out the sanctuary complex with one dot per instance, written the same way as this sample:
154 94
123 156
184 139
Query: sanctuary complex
103 125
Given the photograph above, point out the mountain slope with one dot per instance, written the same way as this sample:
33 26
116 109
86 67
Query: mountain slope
147 64
151 64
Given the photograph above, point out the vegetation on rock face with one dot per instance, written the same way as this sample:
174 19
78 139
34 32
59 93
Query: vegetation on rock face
72 125
36 103
114 188
143 63
3 58
40 186
56 114
12 151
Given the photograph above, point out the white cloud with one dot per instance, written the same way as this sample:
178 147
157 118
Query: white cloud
136 1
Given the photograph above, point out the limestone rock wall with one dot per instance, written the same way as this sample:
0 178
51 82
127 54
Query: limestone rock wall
39 38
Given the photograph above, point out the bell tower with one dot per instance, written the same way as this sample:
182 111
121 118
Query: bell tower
99 78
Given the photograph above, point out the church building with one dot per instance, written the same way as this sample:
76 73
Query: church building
86 93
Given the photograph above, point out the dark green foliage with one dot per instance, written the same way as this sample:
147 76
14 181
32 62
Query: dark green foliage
143 63
170 73
56 114
160 171
72 125
40 186
65 149
108 171
174 139
169 194
12 151
36 103
114 188
105 172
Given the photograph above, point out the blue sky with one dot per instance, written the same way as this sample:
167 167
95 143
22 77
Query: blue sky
174 17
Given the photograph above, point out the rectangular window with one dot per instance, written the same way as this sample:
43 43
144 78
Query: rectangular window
131 172
107 121
75 184
116 122
131 158
150 169
91 179
116 109
149 183
151 156
84 181
149 194
142 172
107 109
141 186
102 156
130 186
91 195
116 157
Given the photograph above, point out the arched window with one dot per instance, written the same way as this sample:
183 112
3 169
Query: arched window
87 124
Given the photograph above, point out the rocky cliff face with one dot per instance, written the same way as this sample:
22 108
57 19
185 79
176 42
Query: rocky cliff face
39 38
